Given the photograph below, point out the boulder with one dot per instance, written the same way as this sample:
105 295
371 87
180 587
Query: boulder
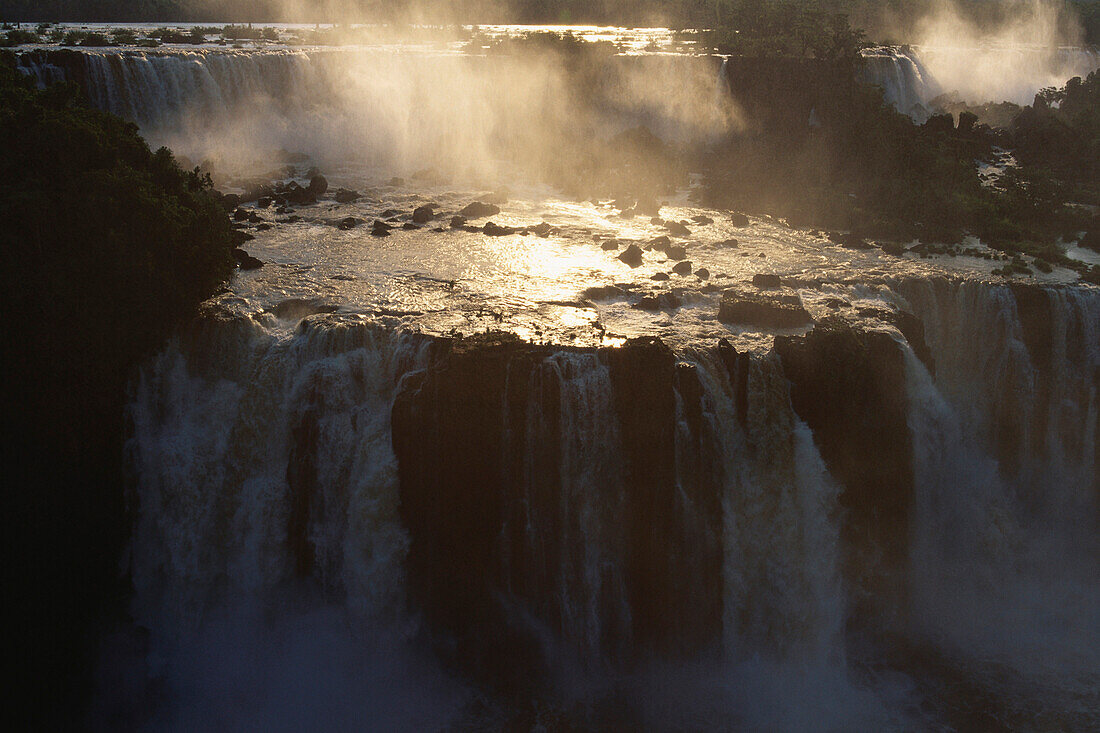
702 220
493 229
682 268
346 196
318 185
264 202
457 222
632 256
728 243
702 273
423 214
381 228
763 280
610 245
541 229
677 229
348 223
246 261
479 210
660 276
739 220
676 252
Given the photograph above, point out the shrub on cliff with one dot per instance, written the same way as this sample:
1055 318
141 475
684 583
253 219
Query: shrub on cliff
106 247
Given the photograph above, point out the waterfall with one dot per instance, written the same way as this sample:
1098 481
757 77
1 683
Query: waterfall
375 106
267 555
1005 553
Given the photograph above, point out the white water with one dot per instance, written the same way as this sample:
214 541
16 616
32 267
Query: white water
399 108
1004 564
234 638
912 77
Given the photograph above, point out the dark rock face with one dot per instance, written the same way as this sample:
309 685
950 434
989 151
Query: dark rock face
423 214
848 384
461 434
479 209
764 310
380 228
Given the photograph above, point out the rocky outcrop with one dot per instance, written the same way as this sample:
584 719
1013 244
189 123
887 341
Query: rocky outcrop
765 310
848 384
473 475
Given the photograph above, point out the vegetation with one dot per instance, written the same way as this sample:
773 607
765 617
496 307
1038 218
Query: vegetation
107 246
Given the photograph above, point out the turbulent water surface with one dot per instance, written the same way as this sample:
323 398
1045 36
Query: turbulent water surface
354 509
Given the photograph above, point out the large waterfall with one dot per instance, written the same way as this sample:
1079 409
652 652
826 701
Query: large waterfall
394 108
534 482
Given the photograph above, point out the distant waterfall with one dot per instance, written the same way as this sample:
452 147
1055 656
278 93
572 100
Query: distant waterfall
410 110
905 82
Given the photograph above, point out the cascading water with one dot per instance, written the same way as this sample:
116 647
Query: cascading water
267 558
913 77
398 109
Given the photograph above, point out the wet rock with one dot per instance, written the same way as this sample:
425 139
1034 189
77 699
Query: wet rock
263 227
390 214
493 229
702 273
479 209
676 252
246 261
659 244
381 228
423 214
348 223
603 292
542 229
410 227
292 219
632 256
230 201
739 220
264 202
766 311
457 222
677 229
346 196
767 280
318 185
295 309
659 301
611 245
682 268
254 218
702 220
657 221
660 277
727 243
240 215
893 248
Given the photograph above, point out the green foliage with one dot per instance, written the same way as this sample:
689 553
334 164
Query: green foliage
783 28
18 37
123 37
109 244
